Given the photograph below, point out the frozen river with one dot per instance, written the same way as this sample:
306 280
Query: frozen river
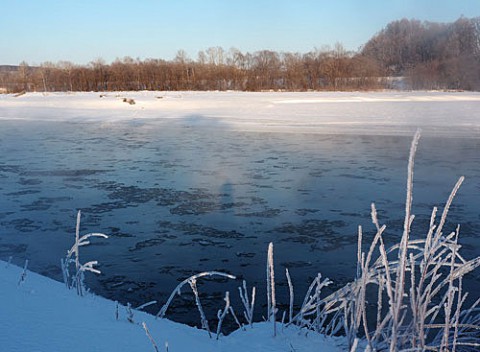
179 197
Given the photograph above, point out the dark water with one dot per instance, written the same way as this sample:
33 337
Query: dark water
176 200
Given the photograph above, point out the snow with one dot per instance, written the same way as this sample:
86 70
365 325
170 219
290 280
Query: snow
43 315
319 112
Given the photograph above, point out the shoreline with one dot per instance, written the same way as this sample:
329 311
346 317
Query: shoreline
40 313
387 113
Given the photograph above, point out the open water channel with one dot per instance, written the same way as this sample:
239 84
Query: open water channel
178 199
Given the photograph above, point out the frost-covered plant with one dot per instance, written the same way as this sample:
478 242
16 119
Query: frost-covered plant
223 313
271 298
422 281
147 332
192 281
420 299
145 305
177 290
129 310
76 279
248 304
292 295
314 311
203 318
232 312
23 276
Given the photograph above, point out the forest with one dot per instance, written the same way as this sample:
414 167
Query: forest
406 54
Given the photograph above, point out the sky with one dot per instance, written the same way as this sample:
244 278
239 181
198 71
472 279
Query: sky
81 31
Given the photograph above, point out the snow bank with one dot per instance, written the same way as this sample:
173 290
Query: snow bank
319 112
42 315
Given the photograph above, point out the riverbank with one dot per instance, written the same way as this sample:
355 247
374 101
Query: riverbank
40 314
308 112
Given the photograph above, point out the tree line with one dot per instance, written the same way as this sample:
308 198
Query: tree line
214 69
430 55
419 55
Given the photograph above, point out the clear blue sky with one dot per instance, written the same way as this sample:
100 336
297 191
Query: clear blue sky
83 30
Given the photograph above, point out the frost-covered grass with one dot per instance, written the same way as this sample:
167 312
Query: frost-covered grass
76 279
420 300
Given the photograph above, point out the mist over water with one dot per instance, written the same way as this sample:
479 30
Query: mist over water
178 199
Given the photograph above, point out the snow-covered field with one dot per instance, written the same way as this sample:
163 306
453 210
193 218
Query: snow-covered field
323 112
40 314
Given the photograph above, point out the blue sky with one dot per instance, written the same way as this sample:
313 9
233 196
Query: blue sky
83 30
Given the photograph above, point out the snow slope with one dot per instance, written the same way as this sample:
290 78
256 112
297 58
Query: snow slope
40 314
320 112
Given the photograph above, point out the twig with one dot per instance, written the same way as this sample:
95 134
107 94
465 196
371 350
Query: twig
150 337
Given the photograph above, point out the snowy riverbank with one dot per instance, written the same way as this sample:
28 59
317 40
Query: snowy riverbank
320 112
40 314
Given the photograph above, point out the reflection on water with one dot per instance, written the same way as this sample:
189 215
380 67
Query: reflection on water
177 200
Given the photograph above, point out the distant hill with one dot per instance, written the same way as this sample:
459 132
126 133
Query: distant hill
432 55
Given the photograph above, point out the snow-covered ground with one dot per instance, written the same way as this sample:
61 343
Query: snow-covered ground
323 112
40 314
